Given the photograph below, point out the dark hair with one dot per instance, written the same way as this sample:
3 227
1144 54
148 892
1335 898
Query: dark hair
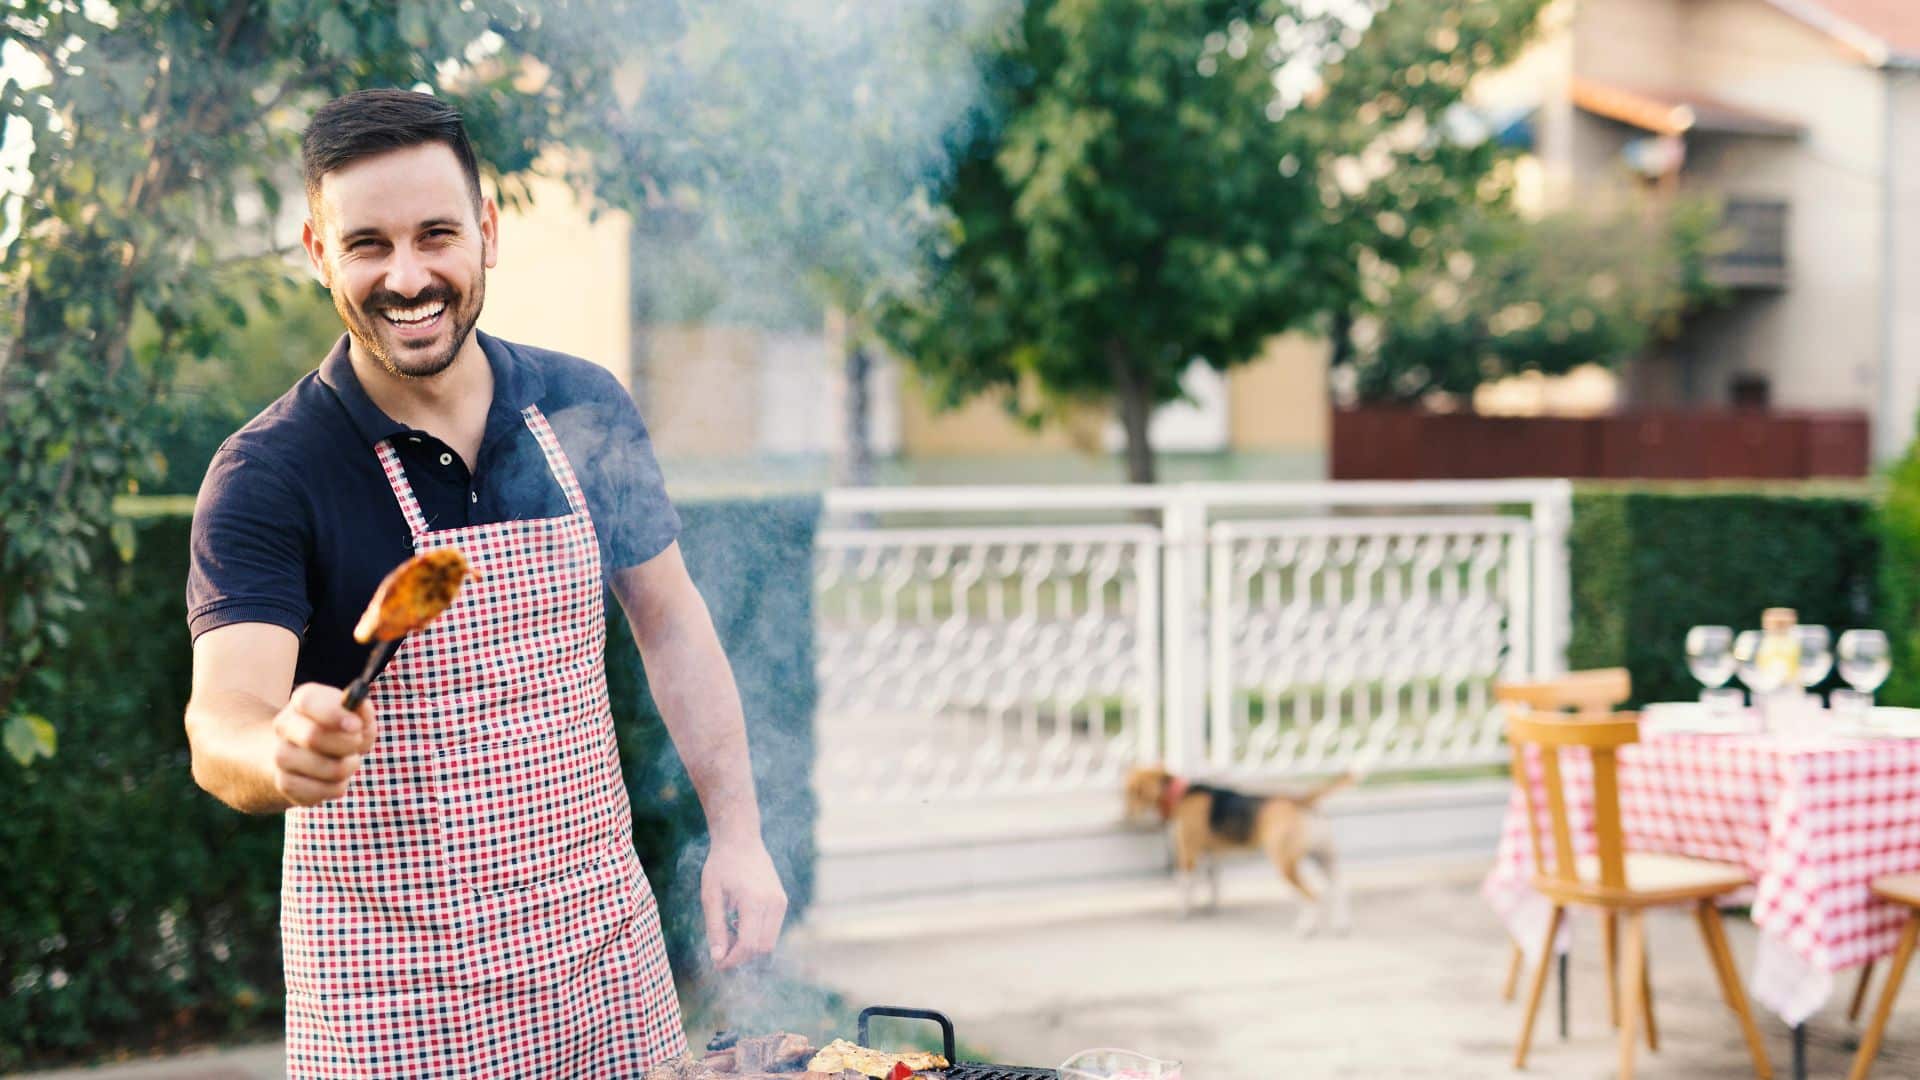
368 122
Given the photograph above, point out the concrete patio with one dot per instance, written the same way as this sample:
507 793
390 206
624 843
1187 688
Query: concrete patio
1030 977
1412 992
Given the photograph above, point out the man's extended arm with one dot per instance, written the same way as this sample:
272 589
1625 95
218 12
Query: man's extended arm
693 684
259 745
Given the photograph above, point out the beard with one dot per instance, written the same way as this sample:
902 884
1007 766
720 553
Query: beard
404 359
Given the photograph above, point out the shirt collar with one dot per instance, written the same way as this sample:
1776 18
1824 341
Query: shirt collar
517 383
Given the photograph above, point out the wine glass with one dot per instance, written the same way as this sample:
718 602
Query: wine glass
1746 655
1816 654
1710 659
1710 655
1865 659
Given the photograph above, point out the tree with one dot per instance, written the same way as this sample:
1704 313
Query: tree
1173 180
1588 285
821 129
150 125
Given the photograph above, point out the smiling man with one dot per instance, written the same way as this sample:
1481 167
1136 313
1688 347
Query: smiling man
460 892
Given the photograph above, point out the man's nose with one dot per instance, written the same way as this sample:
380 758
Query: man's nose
407 273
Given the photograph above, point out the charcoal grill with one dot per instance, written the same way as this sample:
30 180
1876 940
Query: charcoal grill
959 1070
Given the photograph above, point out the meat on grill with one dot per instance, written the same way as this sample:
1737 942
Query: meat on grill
780 1056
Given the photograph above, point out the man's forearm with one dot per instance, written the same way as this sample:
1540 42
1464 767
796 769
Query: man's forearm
232 739
694 687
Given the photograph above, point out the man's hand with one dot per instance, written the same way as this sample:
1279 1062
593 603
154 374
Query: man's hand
318 744
744 902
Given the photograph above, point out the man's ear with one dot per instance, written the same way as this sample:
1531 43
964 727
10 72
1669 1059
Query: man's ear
489 233
316 252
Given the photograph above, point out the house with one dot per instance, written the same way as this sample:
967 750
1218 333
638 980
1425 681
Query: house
1804 117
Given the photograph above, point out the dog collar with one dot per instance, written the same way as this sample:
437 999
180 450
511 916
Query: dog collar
1171 794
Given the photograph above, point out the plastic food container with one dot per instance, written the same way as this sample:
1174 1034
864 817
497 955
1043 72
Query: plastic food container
1110 1064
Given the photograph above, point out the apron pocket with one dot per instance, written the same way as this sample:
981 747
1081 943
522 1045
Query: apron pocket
524 809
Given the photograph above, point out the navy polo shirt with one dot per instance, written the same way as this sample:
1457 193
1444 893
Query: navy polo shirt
296 523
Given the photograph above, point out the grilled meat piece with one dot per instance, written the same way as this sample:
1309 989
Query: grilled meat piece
412 595
843 1056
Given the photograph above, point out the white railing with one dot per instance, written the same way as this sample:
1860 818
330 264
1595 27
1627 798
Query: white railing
994 641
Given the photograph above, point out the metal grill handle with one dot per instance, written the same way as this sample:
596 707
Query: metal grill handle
895 1011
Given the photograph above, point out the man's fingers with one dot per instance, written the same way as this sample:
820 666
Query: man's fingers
322 767
306 791
368 726
324 705
758 930
713 904
318 736
760 925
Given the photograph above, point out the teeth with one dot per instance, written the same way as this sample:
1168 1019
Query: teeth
417 314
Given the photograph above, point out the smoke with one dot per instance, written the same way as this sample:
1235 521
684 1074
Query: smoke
816 136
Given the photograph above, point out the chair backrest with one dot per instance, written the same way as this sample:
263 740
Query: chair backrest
1594 690
1601 736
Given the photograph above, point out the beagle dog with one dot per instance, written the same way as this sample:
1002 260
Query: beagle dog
1204 820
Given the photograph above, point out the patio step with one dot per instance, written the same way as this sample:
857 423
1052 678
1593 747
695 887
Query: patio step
902 854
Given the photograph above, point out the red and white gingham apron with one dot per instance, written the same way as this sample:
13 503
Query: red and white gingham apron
473 906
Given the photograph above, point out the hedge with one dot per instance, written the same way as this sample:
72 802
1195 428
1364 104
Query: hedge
1646 566
136 910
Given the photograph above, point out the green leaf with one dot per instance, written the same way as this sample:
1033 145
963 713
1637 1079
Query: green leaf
337 33
28 737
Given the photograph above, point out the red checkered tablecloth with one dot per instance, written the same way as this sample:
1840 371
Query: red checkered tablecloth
1815 820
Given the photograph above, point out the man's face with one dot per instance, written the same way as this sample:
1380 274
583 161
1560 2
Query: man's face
396 240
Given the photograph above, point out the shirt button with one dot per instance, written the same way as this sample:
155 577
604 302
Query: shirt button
446 459
474 496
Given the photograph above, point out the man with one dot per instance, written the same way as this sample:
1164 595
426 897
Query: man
460 891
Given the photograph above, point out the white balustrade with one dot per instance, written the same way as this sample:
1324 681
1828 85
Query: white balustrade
1255 631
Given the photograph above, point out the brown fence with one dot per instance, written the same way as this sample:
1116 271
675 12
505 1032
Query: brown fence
1410 444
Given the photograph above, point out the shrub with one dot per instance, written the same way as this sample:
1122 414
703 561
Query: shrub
1648 565
136 910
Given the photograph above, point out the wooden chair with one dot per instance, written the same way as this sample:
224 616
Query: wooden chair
1902 889
1596 690
1613 880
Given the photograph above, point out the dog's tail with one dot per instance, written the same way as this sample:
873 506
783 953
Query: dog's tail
1338 783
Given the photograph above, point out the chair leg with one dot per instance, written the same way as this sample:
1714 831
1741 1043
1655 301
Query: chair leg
1630 981
1860 993
1870 1042
1610 945
1715 933
1646 1002
1514 964
1538 987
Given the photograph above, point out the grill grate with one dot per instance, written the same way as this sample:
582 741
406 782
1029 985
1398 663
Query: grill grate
975 1071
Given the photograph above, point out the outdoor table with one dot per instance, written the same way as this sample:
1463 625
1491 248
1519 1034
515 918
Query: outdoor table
1814 817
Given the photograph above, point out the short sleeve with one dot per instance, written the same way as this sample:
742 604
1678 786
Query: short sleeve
626 492
250 540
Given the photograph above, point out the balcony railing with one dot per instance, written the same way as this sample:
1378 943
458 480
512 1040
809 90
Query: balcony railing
1757 258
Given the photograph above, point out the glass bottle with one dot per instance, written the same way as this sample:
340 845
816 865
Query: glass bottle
1778 656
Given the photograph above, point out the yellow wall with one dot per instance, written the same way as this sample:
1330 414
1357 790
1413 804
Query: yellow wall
562 281
982 427
1279 402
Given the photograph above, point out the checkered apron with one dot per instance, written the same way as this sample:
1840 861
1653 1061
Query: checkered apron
473 906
